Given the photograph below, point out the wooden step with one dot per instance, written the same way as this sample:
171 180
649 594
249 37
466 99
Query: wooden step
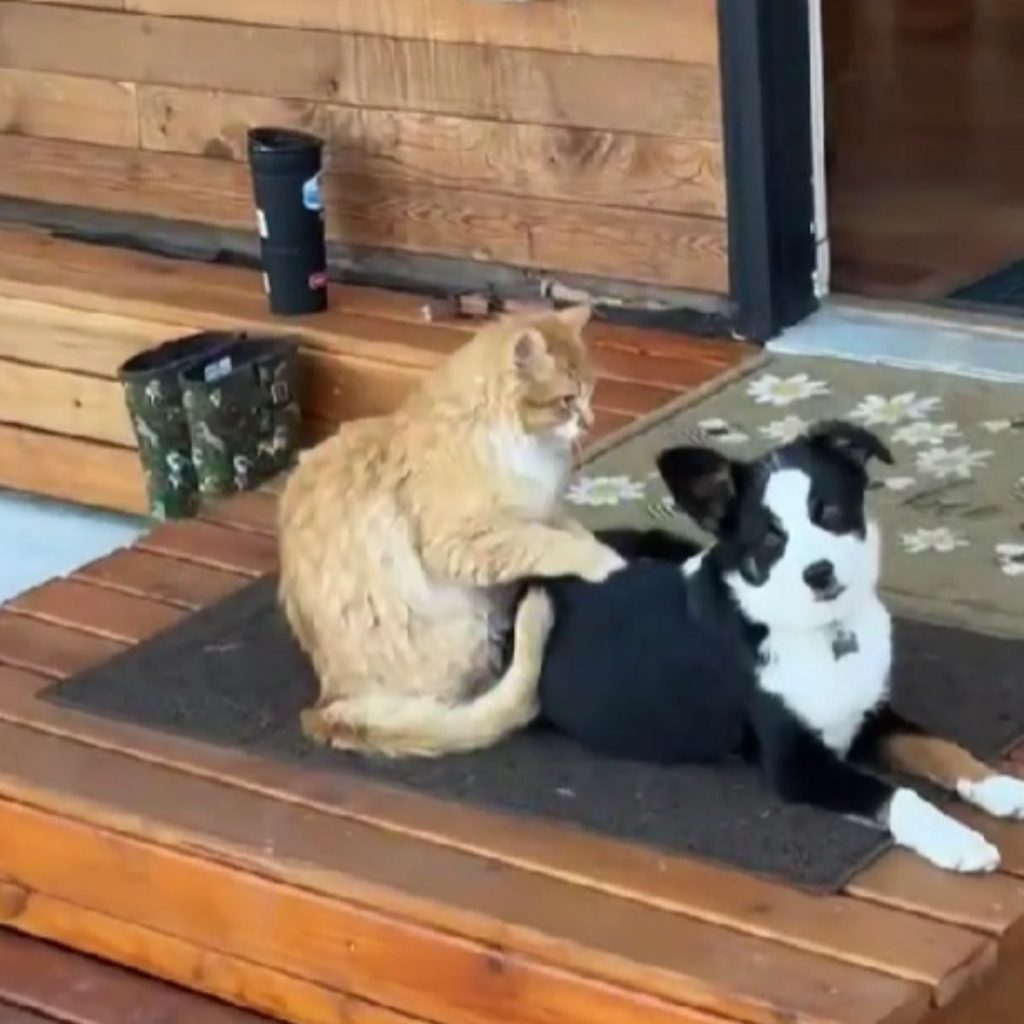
71 313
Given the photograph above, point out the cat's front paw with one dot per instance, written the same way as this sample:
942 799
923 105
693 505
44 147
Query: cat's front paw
1002 796
940 839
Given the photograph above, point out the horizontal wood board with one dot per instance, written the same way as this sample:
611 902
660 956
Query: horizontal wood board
524 135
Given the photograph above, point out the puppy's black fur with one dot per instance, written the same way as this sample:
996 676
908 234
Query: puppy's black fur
674 689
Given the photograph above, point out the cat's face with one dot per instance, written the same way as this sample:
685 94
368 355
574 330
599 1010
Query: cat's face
554 376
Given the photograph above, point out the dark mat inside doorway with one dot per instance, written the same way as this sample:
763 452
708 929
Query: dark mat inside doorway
1003 287
232 675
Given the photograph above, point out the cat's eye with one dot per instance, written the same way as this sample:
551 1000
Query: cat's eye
567 402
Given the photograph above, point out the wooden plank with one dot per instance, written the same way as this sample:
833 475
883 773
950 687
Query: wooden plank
897 943
96 343
96 610
15 1015
631 399
147 287
998 1000
216 546
515 946
155 288
502 84
669 249
64 985
50 650
681 30
59 106
178 583
199 968
70 469
64 403
993 904
256 511
110 5
606 423
677 375
336 389
574 165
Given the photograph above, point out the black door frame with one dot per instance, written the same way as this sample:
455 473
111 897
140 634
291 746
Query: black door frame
766 109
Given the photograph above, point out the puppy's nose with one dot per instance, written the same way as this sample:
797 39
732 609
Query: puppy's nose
820 575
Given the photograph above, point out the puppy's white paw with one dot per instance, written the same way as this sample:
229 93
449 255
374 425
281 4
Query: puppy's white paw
917 825
999 795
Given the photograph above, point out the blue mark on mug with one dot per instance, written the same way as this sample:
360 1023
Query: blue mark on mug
312 194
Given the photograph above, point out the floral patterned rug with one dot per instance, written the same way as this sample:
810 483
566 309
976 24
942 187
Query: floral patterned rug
951 508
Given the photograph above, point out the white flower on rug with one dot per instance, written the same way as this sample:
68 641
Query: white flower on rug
768 389
663 508
996 426
1011 558
946 462
717 429
876 410
940 539
924 432
605 490
789 428
898 483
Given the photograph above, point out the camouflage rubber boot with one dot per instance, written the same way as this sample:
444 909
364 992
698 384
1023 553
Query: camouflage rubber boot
152 391
243 414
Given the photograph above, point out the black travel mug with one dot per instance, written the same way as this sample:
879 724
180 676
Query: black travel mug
286 180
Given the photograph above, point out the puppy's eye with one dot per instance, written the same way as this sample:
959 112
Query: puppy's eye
826 515
774 538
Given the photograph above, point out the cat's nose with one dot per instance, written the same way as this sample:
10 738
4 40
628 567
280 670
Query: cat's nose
820 575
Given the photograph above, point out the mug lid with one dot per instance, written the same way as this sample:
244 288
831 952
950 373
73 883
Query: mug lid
269 139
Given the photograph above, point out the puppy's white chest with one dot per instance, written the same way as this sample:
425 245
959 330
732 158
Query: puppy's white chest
831 677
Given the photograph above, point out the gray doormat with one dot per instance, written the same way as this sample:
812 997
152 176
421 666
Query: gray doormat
232 675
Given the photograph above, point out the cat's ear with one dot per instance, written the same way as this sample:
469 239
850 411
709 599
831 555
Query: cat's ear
575 317
528 347
703 483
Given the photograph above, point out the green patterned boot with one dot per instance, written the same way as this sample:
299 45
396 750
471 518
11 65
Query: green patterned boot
243 414
152 391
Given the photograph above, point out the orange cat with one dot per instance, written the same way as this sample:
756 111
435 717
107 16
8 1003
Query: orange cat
401 537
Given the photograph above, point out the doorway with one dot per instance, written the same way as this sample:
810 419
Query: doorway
924 150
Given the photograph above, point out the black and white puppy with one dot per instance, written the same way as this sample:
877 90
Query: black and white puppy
773 641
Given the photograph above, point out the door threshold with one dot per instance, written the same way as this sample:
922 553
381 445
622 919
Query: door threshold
984 345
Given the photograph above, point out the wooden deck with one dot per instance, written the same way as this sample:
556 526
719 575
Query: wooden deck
320 898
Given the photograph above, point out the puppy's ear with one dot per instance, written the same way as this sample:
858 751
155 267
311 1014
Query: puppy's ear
853 443
702 482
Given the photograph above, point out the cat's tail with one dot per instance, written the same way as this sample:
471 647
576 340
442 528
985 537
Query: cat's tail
397 725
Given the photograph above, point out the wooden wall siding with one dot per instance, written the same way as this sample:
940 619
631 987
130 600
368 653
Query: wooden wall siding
640 28
572 135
